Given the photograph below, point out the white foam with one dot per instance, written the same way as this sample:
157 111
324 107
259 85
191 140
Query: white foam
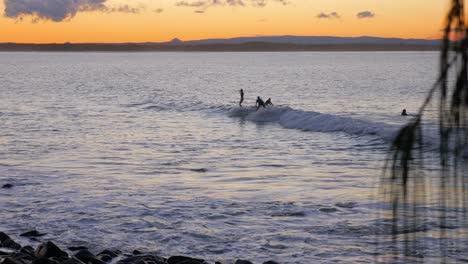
315 121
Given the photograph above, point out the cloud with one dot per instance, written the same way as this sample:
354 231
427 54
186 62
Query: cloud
159 10
192 4
365 14
204 4
59 10
332 15
124 9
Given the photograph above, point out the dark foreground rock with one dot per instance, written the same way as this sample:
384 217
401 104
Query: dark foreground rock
10 243
50 253
77 248
49 250
7 186
32 233
143 259
184 260
87 257
242 261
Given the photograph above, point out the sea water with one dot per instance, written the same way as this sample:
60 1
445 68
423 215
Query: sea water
151 151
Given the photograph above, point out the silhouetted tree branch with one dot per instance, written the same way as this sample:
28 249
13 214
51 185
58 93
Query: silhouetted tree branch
407 185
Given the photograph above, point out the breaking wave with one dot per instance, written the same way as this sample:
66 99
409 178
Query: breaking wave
314 121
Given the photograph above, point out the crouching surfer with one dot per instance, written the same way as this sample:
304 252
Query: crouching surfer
268 102
259 103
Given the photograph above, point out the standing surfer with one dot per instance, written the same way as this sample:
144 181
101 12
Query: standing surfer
241 91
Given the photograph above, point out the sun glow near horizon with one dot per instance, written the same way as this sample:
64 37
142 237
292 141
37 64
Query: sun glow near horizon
162 20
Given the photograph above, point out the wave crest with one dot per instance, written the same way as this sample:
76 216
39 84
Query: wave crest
314 121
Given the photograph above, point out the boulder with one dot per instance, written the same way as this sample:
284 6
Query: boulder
72 260
143 259
32 233
9 243
7 186
104 258
23 257
87 257
111 253
27 250
242 261
44 261
10 260
3 237
48 250
184 260
77 248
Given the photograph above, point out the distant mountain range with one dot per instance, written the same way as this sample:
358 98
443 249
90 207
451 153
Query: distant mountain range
308 40
271 43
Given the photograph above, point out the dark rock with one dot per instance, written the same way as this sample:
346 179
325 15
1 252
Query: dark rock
242 261
23 257
143 259
11 260
328 210
199 170
48 250
60 259
27 250
32 233
9 243
72 260
217 262
44 261
3 237
77 248
111 253
270 262
191 261
136 252
2 253
184 260
7 186
104 257
88 257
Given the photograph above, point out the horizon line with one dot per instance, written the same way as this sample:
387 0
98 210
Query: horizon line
228 38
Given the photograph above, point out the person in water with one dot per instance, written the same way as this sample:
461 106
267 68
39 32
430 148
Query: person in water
241 91
259 103
268 102
403 113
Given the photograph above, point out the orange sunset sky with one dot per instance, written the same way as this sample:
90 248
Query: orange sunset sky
58 21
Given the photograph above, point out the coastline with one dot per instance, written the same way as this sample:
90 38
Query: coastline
245 47
47 252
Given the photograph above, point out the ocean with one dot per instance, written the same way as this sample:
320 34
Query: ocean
151 151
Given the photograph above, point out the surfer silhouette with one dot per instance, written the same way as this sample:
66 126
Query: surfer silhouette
268 102
403 113
241 91
259 103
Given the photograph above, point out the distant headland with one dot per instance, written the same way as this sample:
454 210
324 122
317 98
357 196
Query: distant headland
271 43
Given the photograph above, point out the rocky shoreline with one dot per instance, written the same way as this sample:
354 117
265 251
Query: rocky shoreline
48 252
